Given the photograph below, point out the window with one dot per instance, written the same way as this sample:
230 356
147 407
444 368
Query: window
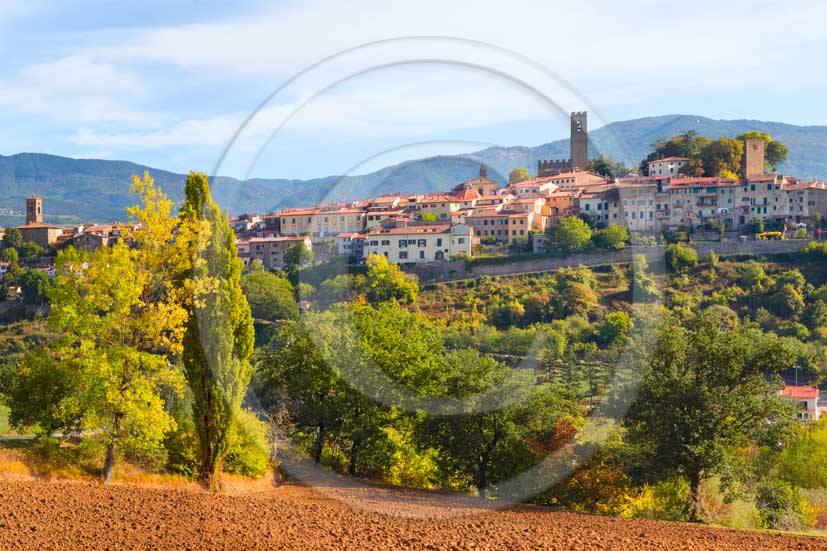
403 255
402 243
461 240
386 242
439 242
374 242
422 255
421 243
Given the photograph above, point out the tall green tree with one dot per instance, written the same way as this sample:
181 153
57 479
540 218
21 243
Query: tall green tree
271 297
12 239
219 335
706 392
484 448
572 234
34 285
9 255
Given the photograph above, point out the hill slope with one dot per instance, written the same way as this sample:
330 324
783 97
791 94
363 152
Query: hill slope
98 190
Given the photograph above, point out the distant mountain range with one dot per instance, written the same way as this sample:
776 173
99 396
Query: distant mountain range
92 190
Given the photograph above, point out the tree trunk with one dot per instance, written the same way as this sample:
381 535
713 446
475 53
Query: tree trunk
109 462
695 493
354 449
210 469
317 456
482 479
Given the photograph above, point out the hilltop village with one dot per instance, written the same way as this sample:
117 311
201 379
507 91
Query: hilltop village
432 227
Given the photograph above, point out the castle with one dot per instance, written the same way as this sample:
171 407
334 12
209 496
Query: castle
579 149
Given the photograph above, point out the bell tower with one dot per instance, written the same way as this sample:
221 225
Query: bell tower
34 210
579 141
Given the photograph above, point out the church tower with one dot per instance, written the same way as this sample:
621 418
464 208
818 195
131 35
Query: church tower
34 210
579 141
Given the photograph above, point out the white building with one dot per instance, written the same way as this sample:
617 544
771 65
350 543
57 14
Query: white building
804 399
418 243
668 166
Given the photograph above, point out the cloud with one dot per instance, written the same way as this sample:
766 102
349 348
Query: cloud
16 9
183 89
75 89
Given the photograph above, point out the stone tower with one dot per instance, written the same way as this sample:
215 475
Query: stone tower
483 171
752 163
579 141
34 210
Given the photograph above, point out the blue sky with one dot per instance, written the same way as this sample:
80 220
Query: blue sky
168 84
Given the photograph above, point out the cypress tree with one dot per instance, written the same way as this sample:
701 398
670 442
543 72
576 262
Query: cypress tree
219 336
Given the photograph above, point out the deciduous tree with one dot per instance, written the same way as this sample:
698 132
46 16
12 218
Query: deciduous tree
519 174
706 391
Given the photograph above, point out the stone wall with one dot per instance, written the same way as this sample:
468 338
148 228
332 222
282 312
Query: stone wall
455 270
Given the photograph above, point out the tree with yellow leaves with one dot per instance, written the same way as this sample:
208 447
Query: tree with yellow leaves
121 322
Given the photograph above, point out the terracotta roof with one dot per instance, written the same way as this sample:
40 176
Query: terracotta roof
800 391
36 225
425 229
276 239
466 194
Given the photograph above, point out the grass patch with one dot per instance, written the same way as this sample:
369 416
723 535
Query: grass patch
5 429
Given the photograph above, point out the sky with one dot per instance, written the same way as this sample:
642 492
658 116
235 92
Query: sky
348 87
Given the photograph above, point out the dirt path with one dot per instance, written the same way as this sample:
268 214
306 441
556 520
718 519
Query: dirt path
68 516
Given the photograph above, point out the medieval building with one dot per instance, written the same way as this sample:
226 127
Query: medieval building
578 149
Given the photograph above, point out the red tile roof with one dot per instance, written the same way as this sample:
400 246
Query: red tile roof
805 392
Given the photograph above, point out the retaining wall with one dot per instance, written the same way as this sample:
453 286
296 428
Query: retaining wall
456 269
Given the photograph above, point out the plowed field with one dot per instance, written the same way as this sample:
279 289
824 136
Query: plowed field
82 516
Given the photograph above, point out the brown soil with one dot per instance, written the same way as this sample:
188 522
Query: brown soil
77 515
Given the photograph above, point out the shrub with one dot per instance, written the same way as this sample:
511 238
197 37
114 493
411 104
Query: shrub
815 250
638 239
612 237
248 452
182 449
668 500
783 507
755 226
681 257
676 236
769 236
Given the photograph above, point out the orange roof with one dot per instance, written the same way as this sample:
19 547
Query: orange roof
466 194
431 228
276 239
805 392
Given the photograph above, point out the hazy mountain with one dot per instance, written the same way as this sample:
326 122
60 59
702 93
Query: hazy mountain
97 190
